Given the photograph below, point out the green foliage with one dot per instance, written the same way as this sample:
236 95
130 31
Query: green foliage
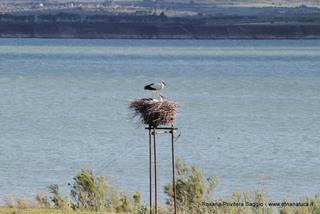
91 195
313 206
88 191
58 201
138 208
117 202
261 198
113 200
125 205
191 188
137 199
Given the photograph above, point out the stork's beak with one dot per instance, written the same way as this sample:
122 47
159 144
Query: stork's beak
163 83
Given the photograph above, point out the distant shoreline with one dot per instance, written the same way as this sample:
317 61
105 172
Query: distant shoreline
158 38
156 31
126 26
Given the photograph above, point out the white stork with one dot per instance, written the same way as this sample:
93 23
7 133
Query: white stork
156 87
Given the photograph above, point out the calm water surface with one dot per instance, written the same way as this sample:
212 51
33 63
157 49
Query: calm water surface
249 112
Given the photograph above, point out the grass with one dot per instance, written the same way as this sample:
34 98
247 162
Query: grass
45 211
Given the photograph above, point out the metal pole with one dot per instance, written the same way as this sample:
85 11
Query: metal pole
173 173
155 171
150 170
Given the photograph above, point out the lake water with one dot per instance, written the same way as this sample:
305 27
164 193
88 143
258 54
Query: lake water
250 113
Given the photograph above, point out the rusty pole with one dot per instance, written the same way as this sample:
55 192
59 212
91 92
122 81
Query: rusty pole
173 172
155 171
152 131
150 170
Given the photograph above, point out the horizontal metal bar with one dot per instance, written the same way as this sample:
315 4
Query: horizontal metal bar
164 132
162 128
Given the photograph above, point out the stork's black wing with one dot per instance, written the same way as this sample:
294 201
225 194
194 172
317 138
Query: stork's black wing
149 87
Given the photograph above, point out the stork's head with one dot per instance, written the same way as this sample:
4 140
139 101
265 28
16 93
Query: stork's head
163 82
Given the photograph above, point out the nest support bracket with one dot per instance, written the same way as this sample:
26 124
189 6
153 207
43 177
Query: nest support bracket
153 131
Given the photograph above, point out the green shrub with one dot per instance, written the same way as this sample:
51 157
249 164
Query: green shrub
313 206
88 191
58 201
125 205
91 194
137 199
117 202
191 188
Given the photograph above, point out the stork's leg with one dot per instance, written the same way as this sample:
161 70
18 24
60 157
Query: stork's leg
161 99
158 93
154 94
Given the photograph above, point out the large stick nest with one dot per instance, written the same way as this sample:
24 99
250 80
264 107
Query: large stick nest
154 112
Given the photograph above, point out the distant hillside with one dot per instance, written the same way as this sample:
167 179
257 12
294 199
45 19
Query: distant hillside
287 25
286 3
252 2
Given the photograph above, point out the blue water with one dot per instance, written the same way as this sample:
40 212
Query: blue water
249 113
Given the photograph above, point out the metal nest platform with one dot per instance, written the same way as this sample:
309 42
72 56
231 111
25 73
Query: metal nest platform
159 116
